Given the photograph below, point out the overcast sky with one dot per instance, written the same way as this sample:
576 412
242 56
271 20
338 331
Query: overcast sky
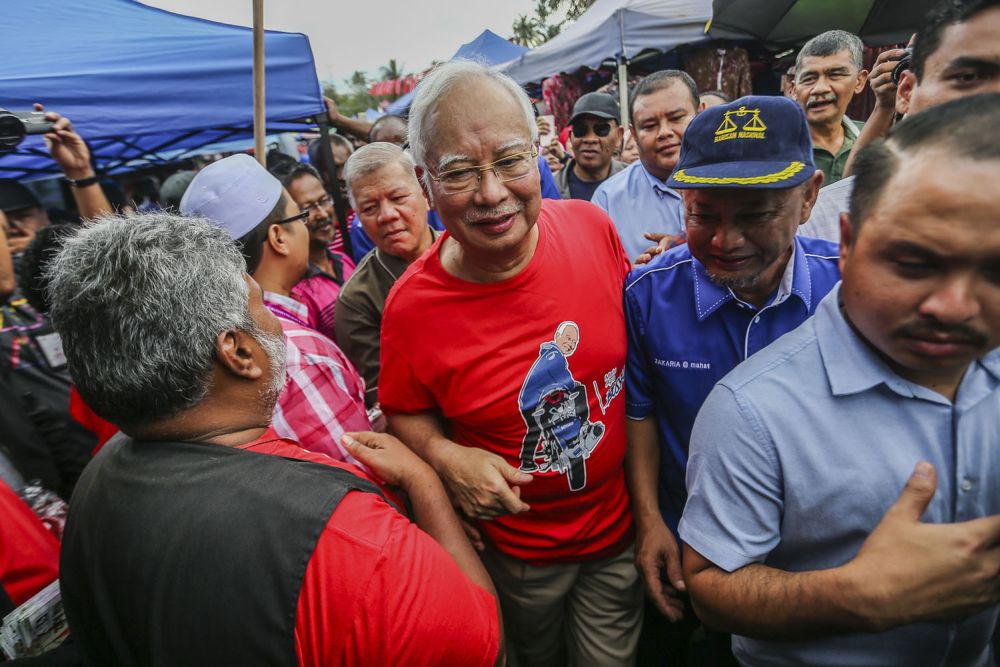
365 34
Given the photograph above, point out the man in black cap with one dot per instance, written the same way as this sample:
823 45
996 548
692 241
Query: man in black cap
596 135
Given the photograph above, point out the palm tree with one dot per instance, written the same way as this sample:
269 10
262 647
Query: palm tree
391 71
577 7
526 31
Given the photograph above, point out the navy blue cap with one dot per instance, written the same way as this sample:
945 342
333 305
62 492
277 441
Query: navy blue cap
754 142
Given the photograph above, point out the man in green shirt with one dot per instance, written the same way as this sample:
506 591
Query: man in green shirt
828 74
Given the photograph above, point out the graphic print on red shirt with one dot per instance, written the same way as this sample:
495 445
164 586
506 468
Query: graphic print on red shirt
531 369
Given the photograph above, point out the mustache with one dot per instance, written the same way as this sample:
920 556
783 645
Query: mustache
957 333
477 215
819 99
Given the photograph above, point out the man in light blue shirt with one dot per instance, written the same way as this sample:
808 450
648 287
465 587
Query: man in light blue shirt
742 280
637 199
797 537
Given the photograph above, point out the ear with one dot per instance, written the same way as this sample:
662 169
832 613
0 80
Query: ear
277 240
862 80
904 91
420 171
814 183
239 354
846 239
621 137
701 107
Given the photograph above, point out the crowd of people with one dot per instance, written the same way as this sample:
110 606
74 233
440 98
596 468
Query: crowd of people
720 387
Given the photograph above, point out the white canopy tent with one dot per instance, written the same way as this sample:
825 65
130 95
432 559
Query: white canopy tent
612 30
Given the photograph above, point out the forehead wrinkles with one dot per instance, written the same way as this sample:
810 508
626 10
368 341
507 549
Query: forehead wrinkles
467 113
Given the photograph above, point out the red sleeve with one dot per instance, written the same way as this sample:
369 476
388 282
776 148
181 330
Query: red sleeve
380 591
399 389
29 553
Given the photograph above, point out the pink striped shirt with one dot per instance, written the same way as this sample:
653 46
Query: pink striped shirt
324 395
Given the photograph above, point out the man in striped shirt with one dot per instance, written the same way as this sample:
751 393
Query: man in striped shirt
323 396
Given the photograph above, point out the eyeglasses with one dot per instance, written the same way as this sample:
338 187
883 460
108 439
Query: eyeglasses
303 216
467 179
582 128
323 201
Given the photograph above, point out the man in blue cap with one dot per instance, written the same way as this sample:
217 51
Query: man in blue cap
742 280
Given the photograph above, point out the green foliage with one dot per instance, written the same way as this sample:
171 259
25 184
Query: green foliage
352 95
539 28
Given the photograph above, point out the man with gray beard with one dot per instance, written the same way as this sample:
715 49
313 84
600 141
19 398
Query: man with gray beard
201 537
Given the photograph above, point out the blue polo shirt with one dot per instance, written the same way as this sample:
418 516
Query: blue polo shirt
798 453
685 333
638 202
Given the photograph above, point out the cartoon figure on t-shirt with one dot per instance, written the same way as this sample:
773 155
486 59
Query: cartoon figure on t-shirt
559 435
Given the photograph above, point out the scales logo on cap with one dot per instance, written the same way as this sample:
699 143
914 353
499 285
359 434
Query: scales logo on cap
753 128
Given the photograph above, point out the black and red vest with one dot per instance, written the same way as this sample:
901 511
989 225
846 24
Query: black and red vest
188 554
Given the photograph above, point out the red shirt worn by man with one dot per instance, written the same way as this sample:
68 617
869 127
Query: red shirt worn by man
530 368
324 397
379 591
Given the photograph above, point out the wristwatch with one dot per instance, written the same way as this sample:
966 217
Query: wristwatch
82 182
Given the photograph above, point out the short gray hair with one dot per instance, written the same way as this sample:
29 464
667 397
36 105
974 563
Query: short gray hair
139 301
369 159
441 79
829 43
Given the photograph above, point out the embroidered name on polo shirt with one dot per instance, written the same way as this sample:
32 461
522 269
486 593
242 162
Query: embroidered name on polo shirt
683 364
753 128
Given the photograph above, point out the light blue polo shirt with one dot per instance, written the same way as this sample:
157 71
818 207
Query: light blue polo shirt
638 202
685 333
797 454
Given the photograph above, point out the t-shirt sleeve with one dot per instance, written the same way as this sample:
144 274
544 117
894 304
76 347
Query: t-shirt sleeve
387 594
399 388
734 507
639 388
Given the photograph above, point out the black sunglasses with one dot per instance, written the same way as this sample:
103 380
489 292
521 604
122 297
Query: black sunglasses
581 129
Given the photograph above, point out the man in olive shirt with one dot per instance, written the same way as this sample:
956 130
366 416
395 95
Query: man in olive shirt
828 74
389 202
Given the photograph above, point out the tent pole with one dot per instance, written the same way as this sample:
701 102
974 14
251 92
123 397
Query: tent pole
623 89
258 82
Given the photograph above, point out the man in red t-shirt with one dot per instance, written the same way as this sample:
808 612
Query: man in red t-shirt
509 336
163 525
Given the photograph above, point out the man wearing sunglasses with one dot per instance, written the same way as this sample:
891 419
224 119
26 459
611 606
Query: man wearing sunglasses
595 137
323 395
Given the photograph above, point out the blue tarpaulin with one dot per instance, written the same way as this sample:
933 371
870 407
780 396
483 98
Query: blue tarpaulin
138 81
489 48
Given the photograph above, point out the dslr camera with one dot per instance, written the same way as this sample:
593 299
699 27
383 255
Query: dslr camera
16 125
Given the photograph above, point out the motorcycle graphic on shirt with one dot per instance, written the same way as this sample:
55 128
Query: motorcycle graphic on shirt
559 435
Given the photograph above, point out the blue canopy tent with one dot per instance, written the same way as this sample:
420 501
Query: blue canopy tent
140 83
489 48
